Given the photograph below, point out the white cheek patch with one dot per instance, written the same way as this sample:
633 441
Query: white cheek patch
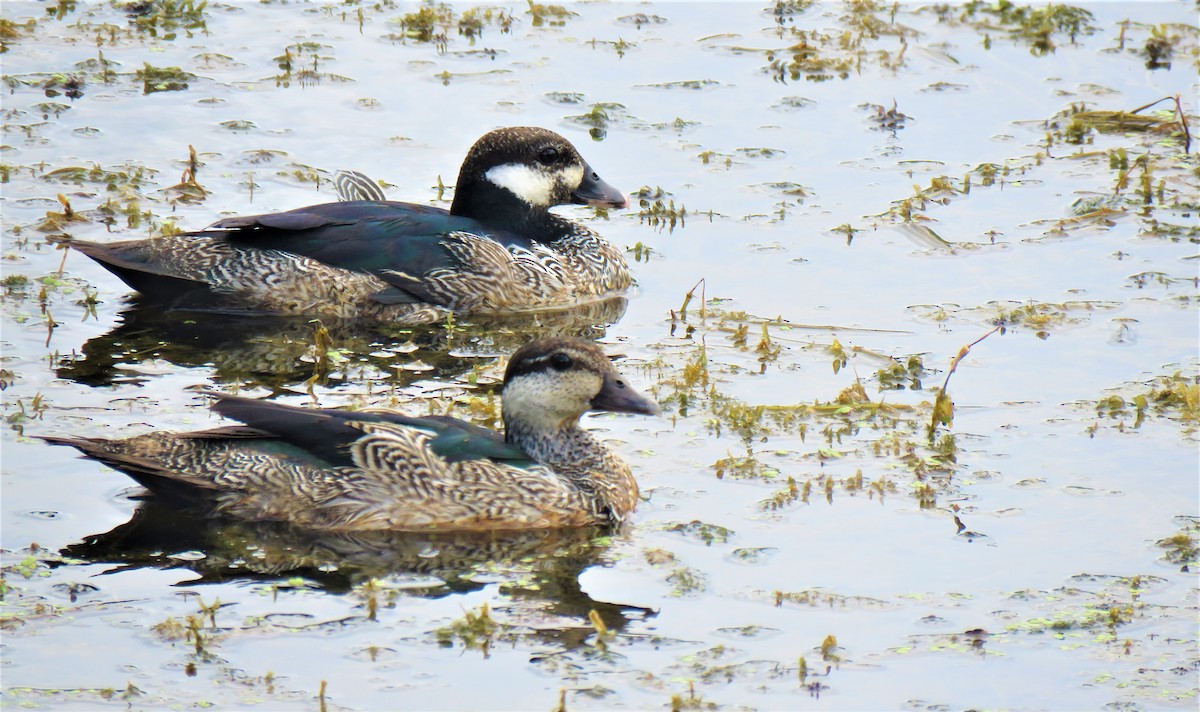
534 185
573 177
527 183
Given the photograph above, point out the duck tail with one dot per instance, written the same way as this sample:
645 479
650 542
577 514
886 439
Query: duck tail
151 473
136 263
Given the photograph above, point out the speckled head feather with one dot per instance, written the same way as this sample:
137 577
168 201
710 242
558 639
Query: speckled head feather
546 353
549 384
369 470
561 378
536 166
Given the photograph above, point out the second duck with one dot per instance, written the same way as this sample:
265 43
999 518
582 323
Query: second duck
372 470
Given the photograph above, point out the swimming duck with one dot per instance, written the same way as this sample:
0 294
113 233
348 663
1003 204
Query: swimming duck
498 249
343 470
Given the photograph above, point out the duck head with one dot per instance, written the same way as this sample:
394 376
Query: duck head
551 382
519 173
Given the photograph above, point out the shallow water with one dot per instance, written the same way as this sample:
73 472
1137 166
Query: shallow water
1020 564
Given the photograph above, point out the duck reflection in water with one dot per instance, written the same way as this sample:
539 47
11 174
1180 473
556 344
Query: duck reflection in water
275 352
536 568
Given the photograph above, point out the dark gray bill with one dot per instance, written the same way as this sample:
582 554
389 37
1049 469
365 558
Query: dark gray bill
594 191
618 396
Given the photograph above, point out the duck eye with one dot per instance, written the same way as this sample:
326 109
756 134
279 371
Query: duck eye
548 155
561 362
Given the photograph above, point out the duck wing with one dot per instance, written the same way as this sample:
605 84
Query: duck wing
400 243
328 434
390 471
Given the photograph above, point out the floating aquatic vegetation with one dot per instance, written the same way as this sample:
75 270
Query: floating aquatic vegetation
48 108
820 597
718 159
902 373
552 15
1158 49
693 84
11 30
125 174
1039 317
945 88
686 581
564 97
476 630
423 25
1034 25
475 19
677 125
653 211
707 533
163 18
432 24
239 125
882 119
156 79
789 8
70 85
601 115
14 284
1075 124
1183 548
638 20
794 103
188 190
33 408
819 55
620 46
1158 177
851 426
760 152
295 66
486 54
804 61
796 492
445 77
1174 398
99 69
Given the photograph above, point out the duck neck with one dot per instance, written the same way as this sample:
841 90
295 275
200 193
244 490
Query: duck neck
498 208
575 454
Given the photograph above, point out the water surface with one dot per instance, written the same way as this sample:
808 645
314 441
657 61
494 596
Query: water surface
851 186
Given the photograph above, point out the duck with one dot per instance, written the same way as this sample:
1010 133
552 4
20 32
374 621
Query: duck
343 470
498 249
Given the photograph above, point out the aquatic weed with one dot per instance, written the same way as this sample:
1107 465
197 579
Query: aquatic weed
1034 25
166 16
476 630
1182 548
423 25
1173 398
552 15
656 213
